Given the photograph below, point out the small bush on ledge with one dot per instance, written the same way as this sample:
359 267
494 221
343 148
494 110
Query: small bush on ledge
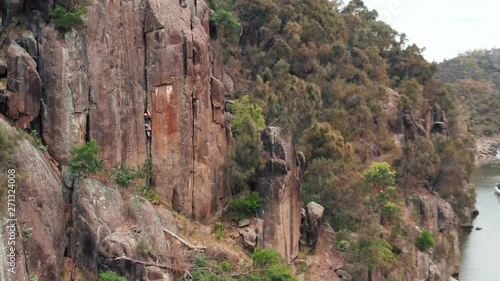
85 158
245 207
68 19
425 241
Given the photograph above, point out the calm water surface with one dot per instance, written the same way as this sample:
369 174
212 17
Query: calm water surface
481 249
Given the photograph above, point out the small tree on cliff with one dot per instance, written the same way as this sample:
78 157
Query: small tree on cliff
85 158
66 19
246 156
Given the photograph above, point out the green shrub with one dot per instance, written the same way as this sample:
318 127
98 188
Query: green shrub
38 141
225 266
278 272
265 258
8 144
246 156
144 248
85 158
245 207
124 176
111 276
3 81
227 23
425 241
218 231
65 20
380 175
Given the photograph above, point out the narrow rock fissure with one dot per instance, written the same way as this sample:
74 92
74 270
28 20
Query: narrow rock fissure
147 100
194 100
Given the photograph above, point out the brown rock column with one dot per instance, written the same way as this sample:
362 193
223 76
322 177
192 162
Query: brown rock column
279 186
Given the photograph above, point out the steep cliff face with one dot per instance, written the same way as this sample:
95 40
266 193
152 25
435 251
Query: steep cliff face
39 213
96 82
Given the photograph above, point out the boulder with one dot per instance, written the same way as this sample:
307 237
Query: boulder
243 222
98 211
311 223
249 238
279 186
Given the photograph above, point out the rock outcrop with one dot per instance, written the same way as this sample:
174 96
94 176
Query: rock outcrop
438 217
41 226
24 86
312 219
105 228
279 186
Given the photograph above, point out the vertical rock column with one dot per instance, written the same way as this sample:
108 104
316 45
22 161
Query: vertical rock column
187 142
279 186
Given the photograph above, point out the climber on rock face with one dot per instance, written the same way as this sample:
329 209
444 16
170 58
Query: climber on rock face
147 116
147 119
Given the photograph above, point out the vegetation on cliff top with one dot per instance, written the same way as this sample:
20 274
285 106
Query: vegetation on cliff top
67 19
475 76
322 72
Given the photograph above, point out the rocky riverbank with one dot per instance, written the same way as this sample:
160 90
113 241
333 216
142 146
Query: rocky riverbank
487 150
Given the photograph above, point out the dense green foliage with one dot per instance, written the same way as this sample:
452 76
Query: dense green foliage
246 156
124 175
425 240
324 74
110 276
227 24
85 158
245 207
475 77
67 19
268 265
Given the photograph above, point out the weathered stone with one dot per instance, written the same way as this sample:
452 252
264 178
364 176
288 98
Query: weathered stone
249 238
281 195
3 68
167 220
65 103
28 42
13 11
145 217
228 85
243 222
438 217
343 275
311 223
39 213
153 273
98 211
25 83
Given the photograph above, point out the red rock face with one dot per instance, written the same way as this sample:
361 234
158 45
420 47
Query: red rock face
133 56
187 143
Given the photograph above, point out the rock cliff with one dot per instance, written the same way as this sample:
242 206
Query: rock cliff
98 80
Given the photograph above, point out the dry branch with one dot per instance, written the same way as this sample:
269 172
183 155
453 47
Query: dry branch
170 267
189 245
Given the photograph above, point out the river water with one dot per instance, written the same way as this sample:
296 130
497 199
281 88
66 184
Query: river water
481 248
